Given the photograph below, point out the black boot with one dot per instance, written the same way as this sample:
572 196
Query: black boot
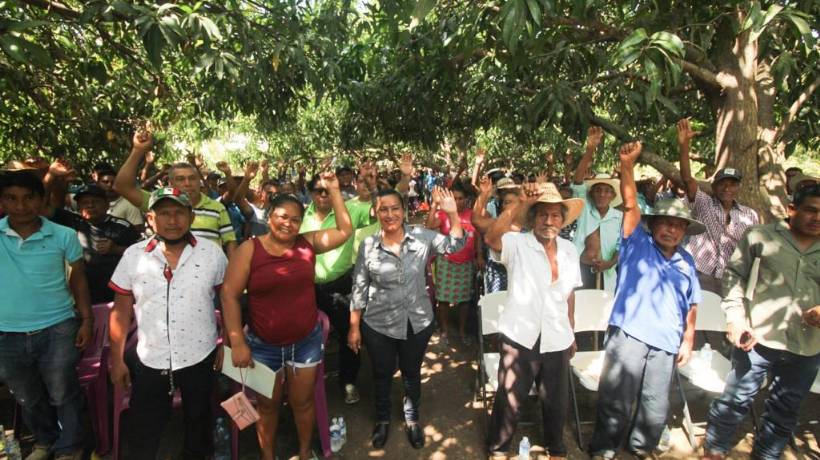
415 435
380 432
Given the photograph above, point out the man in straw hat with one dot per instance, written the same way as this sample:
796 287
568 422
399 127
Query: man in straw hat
536 326
599 225
652 326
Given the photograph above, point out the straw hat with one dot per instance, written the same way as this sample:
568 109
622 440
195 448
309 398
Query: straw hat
608 180
800 177
673 207
550 194
506 183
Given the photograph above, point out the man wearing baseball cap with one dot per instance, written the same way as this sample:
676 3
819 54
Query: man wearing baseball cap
168 283
726 220
103 237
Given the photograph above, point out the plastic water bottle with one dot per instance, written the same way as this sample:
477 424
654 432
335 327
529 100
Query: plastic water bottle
335 436
222 440
706 355
524 449
343 429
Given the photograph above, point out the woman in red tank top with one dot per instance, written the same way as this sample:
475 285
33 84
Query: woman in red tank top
278 270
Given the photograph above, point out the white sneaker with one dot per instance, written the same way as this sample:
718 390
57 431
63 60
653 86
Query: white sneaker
40 452
351 394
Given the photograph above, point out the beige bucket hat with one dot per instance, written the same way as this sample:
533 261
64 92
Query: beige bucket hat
673 207
608 180
550 194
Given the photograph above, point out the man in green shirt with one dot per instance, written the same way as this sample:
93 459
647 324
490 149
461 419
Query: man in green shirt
334 269
772 305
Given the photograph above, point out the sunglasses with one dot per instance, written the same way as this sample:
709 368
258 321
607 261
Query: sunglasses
321 191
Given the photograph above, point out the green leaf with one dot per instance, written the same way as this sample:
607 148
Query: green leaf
535 11
753 17
803 27
771 13
420 11
210 28
25 52
17 26
636 37
670 42
12 47
123 8
154 42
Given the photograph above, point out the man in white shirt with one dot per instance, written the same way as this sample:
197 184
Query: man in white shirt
536 326
168 283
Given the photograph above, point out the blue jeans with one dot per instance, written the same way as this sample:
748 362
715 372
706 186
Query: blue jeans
41 371
791 377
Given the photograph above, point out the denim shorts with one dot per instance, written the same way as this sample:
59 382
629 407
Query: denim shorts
307 352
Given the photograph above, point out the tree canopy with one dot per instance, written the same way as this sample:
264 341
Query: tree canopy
319 77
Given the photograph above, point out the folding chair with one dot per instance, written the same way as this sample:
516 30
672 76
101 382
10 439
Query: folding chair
490 307
592 310
710 377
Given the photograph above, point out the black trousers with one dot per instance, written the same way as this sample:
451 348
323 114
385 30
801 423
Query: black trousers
518 369
384 352
151 405
333 298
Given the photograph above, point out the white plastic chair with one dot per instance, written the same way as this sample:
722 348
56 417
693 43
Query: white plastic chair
490 307
592 310
711 376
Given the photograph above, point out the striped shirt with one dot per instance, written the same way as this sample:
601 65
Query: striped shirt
211 220
713 248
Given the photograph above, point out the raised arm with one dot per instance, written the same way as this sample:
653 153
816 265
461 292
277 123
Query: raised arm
331 238
504 223
251 168
629 154
433 221
594 136
479 161
406 169
225 169
685 135
481 220
151 181
125 183
448 205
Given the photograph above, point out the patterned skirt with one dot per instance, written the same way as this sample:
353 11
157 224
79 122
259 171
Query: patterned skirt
454 282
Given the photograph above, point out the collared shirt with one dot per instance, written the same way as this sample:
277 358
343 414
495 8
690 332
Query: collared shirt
123 209
211 220
331 265
713 248
392 288
536 306
787 284
610 225
35 292
174 309
654 293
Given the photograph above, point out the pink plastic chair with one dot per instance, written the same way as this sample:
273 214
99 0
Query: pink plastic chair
92 371
319 402
122 399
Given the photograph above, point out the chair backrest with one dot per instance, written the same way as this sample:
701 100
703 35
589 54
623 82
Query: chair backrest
99 339
592 310
491 306
710 316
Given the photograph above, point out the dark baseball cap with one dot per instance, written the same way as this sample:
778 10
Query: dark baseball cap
727 173
90 190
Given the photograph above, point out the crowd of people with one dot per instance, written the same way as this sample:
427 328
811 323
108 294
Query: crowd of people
176 248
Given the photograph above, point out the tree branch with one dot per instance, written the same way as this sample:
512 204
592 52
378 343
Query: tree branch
794 110
56 7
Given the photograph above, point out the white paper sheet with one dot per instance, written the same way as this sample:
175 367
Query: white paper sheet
259 378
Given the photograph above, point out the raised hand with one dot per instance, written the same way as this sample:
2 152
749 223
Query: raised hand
328 181
60 168
367 175
142 141
150 157
480 154
541 178
406 165
630 152
485 186
251 168
594 136
448 202
264 166
436 197
530 193
685 133
224 167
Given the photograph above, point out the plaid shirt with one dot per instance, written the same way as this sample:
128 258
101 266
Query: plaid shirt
713 248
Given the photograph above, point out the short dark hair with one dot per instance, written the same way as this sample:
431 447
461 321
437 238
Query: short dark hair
794 168
24 178
181 165
106 172
281 198
800 196
391 192
312 182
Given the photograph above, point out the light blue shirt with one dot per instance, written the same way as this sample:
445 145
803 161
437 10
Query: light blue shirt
654 293
33 281
589 220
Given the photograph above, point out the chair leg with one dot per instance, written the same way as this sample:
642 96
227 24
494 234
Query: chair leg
687 418
575 412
